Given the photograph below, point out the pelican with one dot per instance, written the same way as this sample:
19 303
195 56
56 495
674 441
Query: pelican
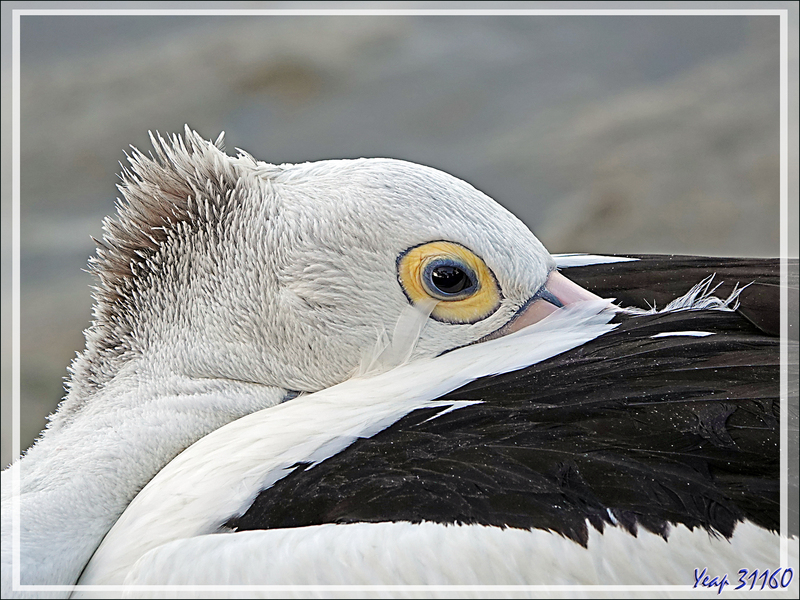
369 372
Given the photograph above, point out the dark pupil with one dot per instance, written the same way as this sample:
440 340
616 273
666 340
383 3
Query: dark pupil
450 280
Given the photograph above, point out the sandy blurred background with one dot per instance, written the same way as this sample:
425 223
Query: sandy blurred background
603 133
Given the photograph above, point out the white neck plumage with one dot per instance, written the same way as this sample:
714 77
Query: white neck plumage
79 477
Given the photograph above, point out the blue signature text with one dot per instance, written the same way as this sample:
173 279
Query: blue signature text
779 578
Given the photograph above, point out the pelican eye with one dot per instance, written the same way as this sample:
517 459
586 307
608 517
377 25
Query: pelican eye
445 279
465 288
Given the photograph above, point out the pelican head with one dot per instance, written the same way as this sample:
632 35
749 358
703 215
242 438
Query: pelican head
222 268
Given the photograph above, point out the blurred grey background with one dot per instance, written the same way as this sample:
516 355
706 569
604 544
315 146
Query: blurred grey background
603 133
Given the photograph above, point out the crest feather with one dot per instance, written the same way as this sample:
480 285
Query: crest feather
186 185
188 181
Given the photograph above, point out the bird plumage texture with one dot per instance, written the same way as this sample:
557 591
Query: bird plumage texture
294 361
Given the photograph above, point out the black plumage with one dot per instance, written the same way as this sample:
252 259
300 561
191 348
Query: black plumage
655 280
628 429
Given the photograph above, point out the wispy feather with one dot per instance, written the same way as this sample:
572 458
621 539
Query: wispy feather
700 297
387 354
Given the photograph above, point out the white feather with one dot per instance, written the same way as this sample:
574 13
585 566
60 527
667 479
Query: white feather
682 334
699 297
429 554
564 261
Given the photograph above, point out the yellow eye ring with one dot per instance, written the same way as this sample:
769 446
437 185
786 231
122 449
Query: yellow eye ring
465 288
